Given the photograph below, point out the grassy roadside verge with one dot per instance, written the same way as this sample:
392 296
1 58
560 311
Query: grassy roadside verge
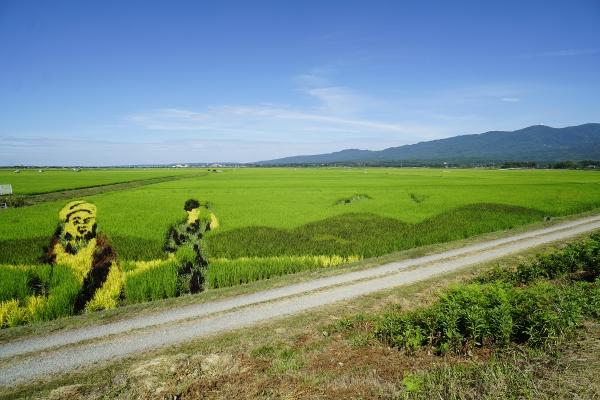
215 294
296 357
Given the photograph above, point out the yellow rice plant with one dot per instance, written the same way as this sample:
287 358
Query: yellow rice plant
81 262
204 215
228 272
141 266
214 222
321 260
334 260
193 216
34 307
11 314
62 214
107 296
77 215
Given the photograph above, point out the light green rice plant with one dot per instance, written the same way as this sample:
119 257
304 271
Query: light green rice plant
288 200
225 272
158 281
14 282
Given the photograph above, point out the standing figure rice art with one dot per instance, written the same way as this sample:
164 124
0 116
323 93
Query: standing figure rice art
81 271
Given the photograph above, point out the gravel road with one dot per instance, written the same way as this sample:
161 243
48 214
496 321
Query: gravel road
32 358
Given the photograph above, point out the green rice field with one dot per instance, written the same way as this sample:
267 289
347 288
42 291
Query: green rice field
342 211
250 224
31 181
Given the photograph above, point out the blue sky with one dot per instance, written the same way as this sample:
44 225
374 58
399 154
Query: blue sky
115 82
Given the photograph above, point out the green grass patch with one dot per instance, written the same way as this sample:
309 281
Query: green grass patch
497 379
503 309
30 181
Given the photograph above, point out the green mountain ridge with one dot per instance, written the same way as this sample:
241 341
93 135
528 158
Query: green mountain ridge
535 143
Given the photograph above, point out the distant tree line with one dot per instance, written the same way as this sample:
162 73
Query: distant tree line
584 164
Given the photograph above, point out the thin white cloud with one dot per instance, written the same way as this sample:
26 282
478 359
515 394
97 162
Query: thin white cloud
44 150
337 99
315 77
169 119
258 119
336 110
337 117
567 53
482 92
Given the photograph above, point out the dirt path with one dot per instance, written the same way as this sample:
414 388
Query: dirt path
31 358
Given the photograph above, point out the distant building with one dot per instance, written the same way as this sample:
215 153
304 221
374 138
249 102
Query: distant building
6 189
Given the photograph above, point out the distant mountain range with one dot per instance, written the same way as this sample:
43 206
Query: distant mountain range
535 143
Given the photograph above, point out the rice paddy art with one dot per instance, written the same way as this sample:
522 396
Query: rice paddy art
159 241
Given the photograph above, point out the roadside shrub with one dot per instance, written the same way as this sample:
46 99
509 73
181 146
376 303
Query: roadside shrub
544 314
493 315
465 316
576 258
402 330
592 305
590 256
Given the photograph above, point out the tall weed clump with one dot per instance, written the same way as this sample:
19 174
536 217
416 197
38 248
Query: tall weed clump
581 259
478 315
533 305
464 317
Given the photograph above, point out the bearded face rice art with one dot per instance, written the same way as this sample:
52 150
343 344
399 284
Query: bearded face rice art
78 224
